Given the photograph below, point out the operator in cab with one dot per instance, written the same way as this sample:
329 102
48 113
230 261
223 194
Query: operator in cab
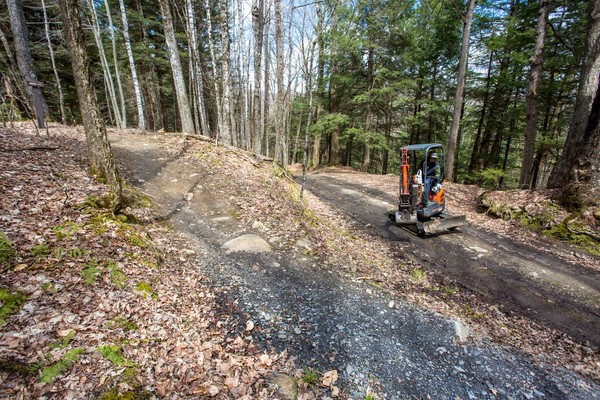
432 182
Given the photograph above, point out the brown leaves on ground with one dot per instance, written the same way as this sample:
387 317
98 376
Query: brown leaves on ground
112 306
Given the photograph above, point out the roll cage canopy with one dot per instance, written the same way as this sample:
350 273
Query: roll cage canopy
426 149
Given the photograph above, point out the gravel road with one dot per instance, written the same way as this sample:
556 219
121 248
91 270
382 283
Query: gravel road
521 279
327 320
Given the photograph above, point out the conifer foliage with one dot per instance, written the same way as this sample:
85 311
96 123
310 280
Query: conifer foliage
497 81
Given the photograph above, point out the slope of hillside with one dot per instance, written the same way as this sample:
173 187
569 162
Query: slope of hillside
103 305
96 305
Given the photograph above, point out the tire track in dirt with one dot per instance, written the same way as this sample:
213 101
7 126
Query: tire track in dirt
518 278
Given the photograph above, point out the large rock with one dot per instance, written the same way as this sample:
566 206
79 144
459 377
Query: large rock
462 330
248 243
285 385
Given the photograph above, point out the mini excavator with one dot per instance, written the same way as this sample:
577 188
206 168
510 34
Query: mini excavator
422 199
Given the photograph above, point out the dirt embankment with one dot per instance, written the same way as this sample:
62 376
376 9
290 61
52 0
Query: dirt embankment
98 306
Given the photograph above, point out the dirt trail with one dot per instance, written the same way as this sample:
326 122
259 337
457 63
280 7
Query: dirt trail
326 320
519 278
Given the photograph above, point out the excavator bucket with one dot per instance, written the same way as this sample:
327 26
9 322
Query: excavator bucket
442 224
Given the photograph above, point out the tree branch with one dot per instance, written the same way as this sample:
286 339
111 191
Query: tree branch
568 46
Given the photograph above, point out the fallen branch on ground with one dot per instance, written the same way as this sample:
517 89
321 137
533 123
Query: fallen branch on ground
31 148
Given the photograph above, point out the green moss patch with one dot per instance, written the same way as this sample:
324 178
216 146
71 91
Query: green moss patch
114 354
147 290
117 276
6 251
68 230
540 214
9 304
62 344
122 323
577 234
50 373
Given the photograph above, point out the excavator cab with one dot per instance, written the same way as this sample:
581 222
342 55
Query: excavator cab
422 198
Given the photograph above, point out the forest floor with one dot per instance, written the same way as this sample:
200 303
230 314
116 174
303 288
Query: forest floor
333 302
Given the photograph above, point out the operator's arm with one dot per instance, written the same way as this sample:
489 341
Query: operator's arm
433 172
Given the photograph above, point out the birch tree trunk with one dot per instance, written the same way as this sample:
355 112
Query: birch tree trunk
187 122
132 67
266 95
290 94
108 80
280 142
242 67
196 78
61 98
257 27
116 64
531 114
21 43
460 87
213 58
227 114
102 162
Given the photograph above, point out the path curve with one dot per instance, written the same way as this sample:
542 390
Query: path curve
324 319
519 278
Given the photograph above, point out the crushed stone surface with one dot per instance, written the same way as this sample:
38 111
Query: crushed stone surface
323 317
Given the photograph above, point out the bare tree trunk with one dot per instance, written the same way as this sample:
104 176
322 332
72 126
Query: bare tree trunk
233 104
309 113
257 27
460 87
105 68
61 98
21 42
213 58
578 169
334 153
185 113
316 159
369 117
134 75
227 117
582 184
290 94
531 114
17 84
243 81
116 64
431 117
195 68
102 162
266 96
280 144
